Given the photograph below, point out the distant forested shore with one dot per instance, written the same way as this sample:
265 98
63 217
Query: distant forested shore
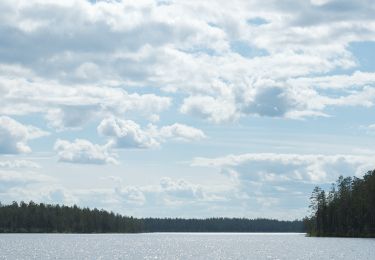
347 210
45 218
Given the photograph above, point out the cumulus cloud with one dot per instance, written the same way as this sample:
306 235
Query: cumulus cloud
83 152
71 107
181 132
181 57
14 136
206 107
271 101
121 134
128 134
71 117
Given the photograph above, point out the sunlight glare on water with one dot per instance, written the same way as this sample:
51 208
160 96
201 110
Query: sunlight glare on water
182 246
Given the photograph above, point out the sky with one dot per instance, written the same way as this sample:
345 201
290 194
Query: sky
172 108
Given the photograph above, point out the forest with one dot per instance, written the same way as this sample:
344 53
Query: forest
347 210
44 218
221 225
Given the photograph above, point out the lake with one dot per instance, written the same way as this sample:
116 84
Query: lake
183 246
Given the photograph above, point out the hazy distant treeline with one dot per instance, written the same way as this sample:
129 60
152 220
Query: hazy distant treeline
221 225
45 218
347 210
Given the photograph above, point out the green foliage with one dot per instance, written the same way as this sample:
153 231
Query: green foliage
221 225
45 218
347 210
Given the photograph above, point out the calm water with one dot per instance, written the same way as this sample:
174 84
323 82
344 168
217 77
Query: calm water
182 246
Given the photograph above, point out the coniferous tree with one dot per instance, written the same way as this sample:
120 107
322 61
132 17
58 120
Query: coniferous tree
347 210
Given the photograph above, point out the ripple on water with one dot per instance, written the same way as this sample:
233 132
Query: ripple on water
182 246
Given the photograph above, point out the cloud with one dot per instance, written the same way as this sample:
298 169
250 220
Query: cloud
128 134
206 107
181 132
79 63
169 193
181 189
166 198
14 136
11 179
182 198
83 152
270 101
43 22
169 196
131 195
315 168
19 164
71 106
39 192
71 117
356 80
270 182
172 48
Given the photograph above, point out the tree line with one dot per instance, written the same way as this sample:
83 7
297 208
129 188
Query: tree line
221 225
45 218
348 209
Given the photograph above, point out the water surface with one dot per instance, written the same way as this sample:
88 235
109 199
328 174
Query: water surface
183 246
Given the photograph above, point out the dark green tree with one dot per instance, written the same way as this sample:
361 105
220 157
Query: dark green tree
347 210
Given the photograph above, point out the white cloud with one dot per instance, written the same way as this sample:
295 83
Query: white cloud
314 168
270 101
72 106
181 132
169 193
39 192
14 136
181 189
128 134
270 182
83 152
355 80
215 110
11 179
371 127
71 117
77 63
17 164
169 197
175 48
131 195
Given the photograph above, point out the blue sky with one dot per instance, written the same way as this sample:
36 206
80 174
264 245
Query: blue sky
185 108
